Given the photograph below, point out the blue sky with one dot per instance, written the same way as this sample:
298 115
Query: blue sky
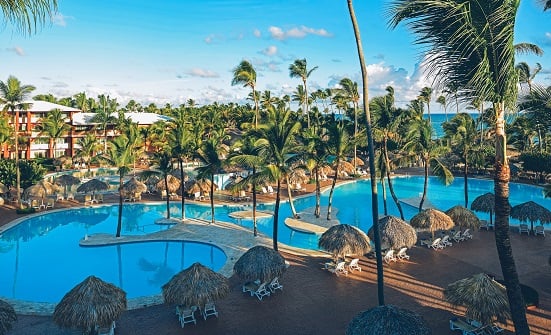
169 51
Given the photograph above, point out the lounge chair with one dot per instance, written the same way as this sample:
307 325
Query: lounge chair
208 310
492 329
37 204
275 285
401 255
523 228
539 230
338 269
458 236
197 196
389 256
88 199
186 315
259 290
243 196
467 234
98 198
50 203
353 265
446 241
486 225
264 190
270 189
59 197
465 327
164 194
436 244
70 196
106 330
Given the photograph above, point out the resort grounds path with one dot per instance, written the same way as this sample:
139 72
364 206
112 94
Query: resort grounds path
315 301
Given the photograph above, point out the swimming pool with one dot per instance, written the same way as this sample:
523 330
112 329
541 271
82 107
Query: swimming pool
47 245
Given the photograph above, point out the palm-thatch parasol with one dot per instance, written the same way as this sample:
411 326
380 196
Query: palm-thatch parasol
7 317
327 170
484 298
431 219
42 189
89 304
195 286
464 217
358 161
3 188
298 176
173 184
133 185
93 185
66 180
151 182
531 212
395 233
388 320
344 239
260 263
485 203
347 167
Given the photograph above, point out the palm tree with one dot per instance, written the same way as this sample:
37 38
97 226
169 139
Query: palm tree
55 127
317 156
371 155
88 146
339 145
471 42
461 130
245 74
526 75
425 96
419 144
26 15
104 116
349 89
277 143
300 70
12 96
163 160
442 101
120 154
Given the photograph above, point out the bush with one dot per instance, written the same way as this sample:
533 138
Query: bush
28 210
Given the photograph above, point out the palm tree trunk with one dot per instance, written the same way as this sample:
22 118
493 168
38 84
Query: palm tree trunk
291 203
383 188
466 179
17 170
371 154
333 183
317 210
212 198
255 228
425 184
390 183
167 197
276 214
503 241
119 221
182 188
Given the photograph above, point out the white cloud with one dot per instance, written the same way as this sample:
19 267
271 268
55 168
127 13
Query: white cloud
257 33
548 35
17 50
296 32
60 20
202 73
270 51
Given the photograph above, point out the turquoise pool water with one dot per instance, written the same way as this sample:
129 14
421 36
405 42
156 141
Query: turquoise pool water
46 246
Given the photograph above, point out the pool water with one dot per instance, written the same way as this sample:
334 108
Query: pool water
41 258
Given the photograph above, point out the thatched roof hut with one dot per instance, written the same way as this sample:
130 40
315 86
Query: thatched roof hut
133 185
40 190
395 233
531 212
93 185
260 263
485 203
432 220
463 217
66 180
195 286
3 188
344 239
388 320
91 303
7 317
484 298
173 184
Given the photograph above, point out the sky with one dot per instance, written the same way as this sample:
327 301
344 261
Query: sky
169 51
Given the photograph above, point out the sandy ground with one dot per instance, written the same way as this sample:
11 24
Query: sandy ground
315 301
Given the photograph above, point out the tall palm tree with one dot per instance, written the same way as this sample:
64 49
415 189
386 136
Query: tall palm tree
339 145
12 96
444 104
526 75
371 155
420 144
277 143
316 156
245 74
26 15
461 130
471 42
425 96
104 116
54 126
300 70
349 89
120 154
163 160
89 145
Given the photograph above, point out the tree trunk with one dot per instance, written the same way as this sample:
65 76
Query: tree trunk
291 203
167 197
425 184
212 220
255 228
466 179
333 183
390 184
17 169
119 221
385 208
503 241
276 214
371 154
317 210
182 189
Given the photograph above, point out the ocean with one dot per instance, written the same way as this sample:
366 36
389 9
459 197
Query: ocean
438 118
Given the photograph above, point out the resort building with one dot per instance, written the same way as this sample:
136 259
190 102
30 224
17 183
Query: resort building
35 144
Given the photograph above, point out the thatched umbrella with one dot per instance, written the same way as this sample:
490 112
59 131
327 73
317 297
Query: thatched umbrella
395 233
133 185
344 239
41 189
464 217
173 184
531 212
431 219
89 304
388 320
93 185
260 263
66 180
3 188
484 298
298 176
195 286
358 161
485 203
7 317
347 167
